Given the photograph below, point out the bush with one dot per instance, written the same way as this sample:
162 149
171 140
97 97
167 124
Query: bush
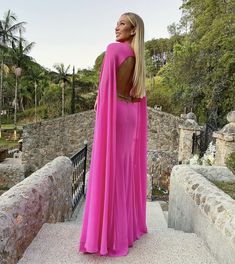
230 162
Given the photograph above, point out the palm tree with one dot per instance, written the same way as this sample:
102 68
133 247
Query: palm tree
1 85
73 93
63 78
8 27
35 76
20 60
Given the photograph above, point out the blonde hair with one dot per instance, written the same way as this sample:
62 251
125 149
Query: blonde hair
138 46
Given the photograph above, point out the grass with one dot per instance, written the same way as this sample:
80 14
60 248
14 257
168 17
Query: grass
89 95
227 187
11 126
7 143
230 162
159 194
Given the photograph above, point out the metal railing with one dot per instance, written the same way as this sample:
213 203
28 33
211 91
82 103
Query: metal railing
197 144
79 173
201 141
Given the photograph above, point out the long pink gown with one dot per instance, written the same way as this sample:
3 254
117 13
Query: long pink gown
115 208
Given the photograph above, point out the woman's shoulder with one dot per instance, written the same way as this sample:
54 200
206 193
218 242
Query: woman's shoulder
118 47
114 45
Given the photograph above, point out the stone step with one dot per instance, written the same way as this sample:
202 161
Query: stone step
58 243
166 215
155 217
164 206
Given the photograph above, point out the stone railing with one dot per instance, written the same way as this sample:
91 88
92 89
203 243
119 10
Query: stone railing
197 205
225 140
44 197
187 129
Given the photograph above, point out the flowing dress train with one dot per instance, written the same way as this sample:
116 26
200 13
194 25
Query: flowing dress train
115 207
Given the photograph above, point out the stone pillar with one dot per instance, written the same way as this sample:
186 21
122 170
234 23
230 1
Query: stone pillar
225 140
187 130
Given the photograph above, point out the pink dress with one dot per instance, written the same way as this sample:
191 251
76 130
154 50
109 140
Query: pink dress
115 208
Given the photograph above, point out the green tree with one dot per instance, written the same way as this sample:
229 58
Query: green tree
20 59
201 69
8 28
72 104
34 78
63 79
98 65
52 100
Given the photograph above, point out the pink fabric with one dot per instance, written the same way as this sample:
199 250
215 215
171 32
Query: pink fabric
115 208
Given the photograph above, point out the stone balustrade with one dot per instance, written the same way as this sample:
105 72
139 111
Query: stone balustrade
225 140
43 197
197 205
187 129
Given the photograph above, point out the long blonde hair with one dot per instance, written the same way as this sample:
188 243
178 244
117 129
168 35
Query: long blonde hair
138 46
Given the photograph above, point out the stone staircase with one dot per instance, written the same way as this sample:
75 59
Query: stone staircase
58 244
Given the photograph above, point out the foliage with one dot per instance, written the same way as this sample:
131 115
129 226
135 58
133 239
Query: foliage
157 52
7 143
19 50
8 28
62 72
230 162
200 72
227 187
87 79
208 158
52 100
193 68
158 93
98 62
40 88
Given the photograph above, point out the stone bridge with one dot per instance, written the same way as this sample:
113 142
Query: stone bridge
37 224
36 220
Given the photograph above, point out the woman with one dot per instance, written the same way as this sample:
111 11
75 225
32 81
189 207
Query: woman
115 209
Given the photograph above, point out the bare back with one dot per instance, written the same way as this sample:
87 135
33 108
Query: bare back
124 79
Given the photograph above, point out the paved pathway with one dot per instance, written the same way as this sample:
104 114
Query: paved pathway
58 243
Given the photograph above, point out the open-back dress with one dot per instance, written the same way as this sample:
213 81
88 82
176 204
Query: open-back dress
115 208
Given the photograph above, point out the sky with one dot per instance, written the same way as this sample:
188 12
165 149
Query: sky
76 32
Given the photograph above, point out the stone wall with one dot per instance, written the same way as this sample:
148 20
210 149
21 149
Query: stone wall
163 144
63 136
11 172
44 141
43 197
196 205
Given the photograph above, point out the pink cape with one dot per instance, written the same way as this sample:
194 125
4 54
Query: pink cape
101 232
